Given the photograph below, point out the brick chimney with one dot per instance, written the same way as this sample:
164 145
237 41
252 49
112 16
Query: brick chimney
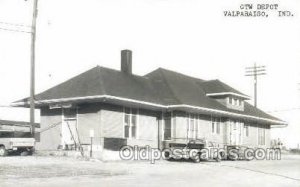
126 61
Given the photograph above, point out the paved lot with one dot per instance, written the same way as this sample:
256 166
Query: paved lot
59 171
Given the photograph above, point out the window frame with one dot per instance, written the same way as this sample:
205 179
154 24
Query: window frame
216 125
234 101
230 100
130 126
193 126
192 131
241 102
164 126
213 125
65 117
246 130
262 135
197 123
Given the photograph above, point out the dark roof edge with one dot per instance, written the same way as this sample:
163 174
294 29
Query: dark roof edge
151 104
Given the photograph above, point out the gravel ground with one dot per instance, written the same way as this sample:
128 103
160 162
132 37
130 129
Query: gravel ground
62 171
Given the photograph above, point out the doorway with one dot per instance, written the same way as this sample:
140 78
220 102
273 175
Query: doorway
236 133
69 133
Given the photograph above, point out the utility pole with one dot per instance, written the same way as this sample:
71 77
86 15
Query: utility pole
255 71
32 66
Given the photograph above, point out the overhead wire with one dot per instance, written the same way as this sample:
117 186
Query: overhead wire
284 110
17 27
14 24
14 30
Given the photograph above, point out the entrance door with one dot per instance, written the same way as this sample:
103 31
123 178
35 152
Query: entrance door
236 133
69 135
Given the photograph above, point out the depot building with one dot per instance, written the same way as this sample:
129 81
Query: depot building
117 107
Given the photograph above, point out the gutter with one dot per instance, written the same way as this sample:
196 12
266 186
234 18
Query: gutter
229 113
62 100
279 126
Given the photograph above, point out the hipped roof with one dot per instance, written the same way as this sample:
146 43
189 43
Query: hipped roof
162 88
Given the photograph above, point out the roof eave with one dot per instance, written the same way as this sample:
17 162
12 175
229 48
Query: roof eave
271 121
149 104
86 99
228 93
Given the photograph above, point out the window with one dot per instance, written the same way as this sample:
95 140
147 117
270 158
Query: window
15 134
261 136
193 127
70 113
173 124
127 125
230 100
133 127
216 125
246 128
197 127
241 103
213 125
236 102
167 128
130 123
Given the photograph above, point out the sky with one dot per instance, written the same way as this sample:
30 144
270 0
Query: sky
188 36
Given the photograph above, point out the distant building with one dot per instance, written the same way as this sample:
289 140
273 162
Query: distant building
120 108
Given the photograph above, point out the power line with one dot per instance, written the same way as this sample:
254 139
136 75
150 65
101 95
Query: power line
255 71
14 24
284 110
14 30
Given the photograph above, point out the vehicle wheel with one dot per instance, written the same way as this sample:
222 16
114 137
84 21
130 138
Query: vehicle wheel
31 151
24 153
232 159
167 155
197 159
3 151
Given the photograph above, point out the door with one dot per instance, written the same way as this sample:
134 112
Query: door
69 136
236 133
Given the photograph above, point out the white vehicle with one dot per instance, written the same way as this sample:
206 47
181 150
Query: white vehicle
16 141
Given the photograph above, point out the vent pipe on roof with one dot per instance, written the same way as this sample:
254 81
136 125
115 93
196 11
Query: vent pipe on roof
126 61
